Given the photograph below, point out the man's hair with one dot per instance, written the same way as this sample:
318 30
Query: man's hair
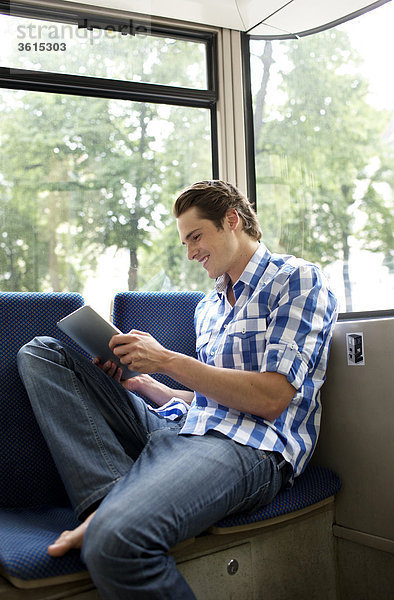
212 200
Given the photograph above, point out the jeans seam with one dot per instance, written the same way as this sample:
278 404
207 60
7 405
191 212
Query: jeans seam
99 443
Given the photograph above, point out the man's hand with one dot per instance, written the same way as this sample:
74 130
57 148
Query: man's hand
265 394
140 351
139 383
70 540
110 368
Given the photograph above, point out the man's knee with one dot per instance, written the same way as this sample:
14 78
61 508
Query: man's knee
32 349
105 544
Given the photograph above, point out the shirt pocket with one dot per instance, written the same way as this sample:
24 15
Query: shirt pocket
245 343
202 345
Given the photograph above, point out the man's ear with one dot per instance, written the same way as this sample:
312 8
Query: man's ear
232 218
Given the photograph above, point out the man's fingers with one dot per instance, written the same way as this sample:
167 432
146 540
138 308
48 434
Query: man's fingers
110 368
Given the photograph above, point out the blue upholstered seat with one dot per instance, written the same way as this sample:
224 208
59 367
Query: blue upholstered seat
25 534
34 507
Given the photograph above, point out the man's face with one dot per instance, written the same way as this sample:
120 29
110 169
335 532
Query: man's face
213 248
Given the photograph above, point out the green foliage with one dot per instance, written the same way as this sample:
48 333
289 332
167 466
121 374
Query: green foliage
82 174
316 150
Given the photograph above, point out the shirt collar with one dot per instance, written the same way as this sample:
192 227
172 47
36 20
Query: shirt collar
252 272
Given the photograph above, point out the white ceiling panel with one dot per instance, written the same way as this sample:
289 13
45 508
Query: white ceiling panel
254 11
303 15
259 17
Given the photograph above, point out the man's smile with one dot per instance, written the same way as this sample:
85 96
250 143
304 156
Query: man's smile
204 260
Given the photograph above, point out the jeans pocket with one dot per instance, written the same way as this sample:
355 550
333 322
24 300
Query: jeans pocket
261 483
253 502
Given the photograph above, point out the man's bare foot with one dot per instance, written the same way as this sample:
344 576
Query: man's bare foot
69 540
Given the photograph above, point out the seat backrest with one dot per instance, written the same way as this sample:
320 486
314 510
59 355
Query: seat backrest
28 474
168 316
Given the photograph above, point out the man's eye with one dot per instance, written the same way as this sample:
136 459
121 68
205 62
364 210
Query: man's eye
197 237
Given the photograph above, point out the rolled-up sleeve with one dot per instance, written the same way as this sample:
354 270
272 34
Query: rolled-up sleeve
286 360
300 322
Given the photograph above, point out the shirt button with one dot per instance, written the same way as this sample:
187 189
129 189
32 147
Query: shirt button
212 352
243 330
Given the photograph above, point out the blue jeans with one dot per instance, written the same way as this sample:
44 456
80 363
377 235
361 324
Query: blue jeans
154 487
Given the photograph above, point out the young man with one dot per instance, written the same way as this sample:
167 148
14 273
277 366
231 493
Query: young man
248 428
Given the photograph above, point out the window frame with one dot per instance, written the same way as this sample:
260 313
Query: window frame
80 85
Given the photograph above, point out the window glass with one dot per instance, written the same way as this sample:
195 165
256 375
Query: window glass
87 184
102 52
324 143
87 187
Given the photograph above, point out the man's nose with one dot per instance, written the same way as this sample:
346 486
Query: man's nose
190 252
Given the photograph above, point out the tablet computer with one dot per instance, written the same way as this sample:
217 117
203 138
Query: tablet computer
93 333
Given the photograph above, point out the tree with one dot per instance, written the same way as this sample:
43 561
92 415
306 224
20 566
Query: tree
315 149
79 175
186 160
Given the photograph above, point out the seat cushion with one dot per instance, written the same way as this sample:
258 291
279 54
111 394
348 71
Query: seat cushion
25 536
313 486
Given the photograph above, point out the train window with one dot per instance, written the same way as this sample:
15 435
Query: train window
127 51
90 165
324 149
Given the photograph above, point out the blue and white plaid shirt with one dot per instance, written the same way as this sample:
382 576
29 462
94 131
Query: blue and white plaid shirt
282 322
